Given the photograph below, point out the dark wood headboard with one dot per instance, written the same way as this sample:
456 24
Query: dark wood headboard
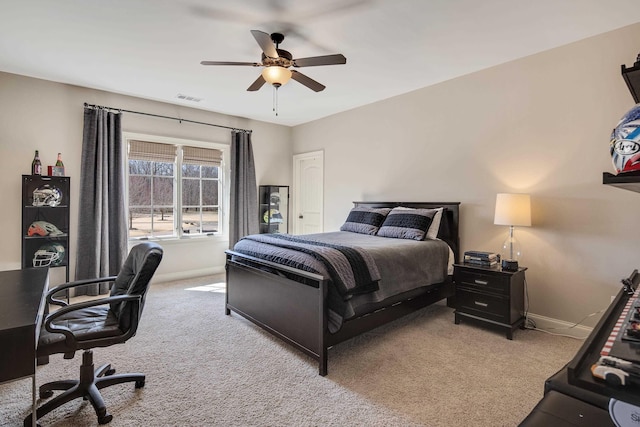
452 213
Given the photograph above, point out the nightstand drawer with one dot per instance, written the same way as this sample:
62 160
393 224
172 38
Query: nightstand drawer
491 307
493 283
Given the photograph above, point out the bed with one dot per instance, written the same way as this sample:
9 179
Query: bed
301 304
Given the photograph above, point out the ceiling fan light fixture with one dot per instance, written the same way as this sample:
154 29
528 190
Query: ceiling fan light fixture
276 75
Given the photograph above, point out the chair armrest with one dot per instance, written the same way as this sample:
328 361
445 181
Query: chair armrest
53 328
74 284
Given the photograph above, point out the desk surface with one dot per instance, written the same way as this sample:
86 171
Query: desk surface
22 305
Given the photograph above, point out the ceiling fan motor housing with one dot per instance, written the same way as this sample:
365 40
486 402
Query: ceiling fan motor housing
285 59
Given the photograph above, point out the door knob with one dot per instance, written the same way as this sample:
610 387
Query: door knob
300 216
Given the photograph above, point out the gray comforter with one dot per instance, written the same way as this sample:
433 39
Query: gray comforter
403 265
352 270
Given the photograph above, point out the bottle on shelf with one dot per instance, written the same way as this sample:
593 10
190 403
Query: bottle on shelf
59 161
36 165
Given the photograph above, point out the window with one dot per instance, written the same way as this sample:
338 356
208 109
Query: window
174 189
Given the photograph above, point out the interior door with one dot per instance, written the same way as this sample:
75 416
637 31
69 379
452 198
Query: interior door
308 185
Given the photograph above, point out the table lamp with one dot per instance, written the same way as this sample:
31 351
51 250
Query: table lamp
512 210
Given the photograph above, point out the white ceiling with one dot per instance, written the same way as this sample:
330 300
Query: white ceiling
153 48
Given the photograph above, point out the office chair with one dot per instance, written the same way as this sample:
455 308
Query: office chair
97 323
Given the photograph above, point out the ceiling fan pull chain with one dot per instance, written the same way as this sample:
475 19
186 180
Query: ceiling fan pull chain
275 99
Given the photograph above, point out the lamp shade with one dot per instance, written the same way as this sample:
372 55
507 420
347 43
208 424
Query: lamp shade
276 75
513 209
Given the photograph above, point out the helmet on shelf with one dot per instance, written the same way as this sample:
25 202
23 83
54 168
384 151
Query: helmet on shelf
43 228
625 142
50 254
47 195
273 216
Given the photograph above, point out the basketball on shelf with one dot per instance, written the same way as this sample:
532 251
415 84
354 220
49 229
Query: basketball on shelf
625 142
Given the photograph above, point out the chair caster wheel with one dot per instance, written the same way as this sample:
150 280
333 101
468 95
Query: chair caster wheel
45 394
109 372
106 419
27 423
140 384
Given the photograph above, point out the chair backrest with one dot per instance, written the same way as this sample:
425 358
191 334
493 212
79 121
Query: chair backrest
134 279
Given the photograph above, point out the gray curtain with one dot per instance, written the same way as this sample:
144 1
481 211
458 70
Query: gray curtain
243 212
102 224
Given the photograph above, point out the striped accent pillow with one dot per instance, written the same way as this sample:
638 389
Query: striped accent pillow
365 220
407 223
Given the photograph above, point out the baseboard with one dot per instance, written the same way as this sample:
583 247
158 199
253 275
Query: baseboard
180 275
559 327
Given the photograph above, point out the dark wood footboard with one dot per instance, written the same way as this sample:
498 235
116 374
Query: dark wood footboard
296 312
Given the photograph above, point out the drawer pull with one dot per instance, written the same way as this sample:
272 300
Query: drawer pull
481 282
481 304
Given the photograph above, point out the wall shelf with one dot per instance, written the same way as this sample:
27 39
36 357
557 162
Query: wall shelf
626 180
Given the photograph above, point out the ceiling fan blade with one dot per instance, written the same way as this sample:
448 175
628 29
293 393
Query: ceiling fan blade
257 84
320 60
253 64
307 81
264 40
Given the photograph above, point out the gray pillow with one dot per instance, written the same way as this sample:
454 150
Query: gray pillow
407 223
365 220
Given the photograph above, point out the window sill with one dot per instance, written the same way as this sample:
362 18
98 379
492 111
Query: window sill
182 240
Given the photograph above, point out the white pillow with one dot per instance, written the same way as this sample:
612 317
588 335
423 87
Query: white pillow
432 232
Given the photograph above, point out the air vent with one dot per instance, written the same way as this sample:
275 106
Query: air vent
188 98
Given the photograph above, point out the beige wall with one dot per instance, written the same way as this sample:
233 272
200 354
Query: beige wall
38 114
537 125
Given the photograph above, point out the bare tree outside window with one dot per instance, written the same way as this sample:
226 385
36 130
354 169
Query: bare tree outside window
157 208
151 207
199 199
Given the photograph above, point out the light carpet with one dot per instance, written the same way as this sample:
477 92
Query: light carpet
207 369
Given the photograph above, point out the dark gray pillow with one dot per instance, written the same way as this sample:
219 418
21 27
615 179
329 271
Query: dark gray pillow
407 223
365 220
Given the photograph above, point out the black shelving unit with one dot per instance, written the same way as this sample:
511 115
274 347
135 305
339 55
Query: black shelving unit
274 208
631 77
45 220
627 180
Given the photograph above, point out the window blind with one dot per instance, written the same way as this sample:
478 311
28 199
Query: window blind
201 156
152 151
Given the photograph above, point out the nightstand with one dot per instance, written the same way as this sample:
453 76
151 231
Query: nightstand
490 295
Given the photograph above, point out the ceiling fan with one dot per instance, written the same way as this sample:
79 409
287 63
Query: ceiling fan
276 63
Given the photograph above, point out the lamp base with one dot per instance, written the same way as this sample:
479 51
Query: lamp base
510 265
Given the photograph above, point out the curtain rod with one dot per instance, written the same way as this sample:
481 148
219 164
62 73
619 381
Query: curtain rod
166 117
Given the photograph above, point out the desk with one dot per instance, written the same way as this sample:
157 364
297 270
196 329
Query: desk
575 394
21 310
